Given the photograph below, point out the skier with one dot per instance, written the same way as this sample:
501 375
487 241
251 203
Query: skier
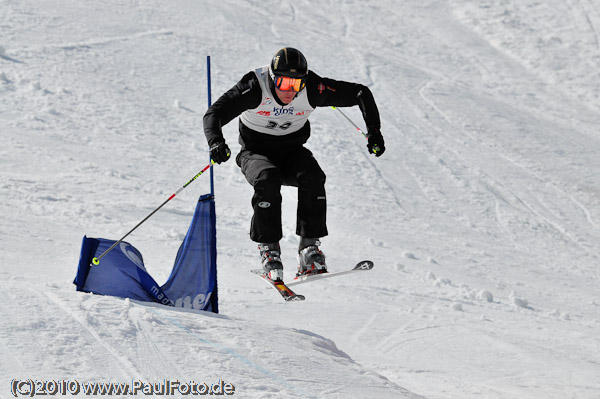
274 103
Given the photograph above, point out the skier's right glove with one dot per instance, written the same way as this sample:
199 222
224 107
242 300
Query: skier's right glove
375 144
220 152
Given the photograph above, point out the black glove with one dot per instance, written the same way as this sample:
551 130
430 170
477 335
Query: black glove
220 152
376 144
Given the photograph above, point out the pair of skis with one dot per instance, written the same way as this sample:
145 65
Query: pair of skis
289 295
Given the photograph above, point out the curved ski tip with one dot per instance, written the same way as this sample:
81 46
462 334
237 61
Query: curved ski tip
364 265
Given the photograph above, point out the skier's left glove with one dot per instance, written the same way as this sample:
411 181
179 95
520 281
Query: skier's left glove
376 144
220 152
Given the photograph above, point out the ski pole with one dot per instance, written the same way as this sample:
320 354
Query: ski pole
375 148
96 261
350 120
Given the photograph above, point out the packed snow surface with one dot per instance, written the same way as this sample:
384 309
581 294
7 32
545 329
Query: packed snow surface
482 217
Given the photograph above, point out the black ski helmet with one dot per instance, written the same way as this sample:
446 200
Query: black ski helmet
289 62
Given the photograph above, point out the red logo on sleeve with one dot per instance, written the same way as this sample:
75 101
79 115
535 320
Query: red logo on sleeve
322 88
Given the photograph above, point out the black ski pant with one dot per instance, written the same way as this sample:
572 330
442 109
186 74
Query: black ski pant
267 173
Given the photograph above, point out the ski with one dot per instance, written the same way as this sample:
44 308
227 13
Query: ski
286 293
360 266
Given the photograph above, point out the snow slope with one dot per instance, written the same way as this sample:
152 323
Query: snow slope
483 216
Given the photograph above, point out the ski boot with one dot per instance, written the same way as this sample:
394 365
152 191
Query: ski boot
271 261
311 259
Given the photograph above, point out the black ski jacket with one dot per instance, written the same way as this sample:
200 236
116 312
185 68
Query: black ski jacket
247 94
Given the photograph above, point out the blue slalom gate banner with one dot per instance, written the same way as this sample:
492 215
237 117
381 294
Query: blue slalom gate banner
121 273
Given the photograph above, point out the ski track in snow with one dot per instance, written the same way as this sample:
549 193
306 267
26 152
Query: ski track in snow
482 217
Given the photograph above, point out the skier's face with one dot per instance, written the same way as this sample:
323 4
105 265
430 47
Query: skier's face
286 97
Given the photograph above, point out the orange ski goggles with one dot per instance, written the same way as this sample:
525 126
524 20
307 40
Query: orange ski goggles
285 83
